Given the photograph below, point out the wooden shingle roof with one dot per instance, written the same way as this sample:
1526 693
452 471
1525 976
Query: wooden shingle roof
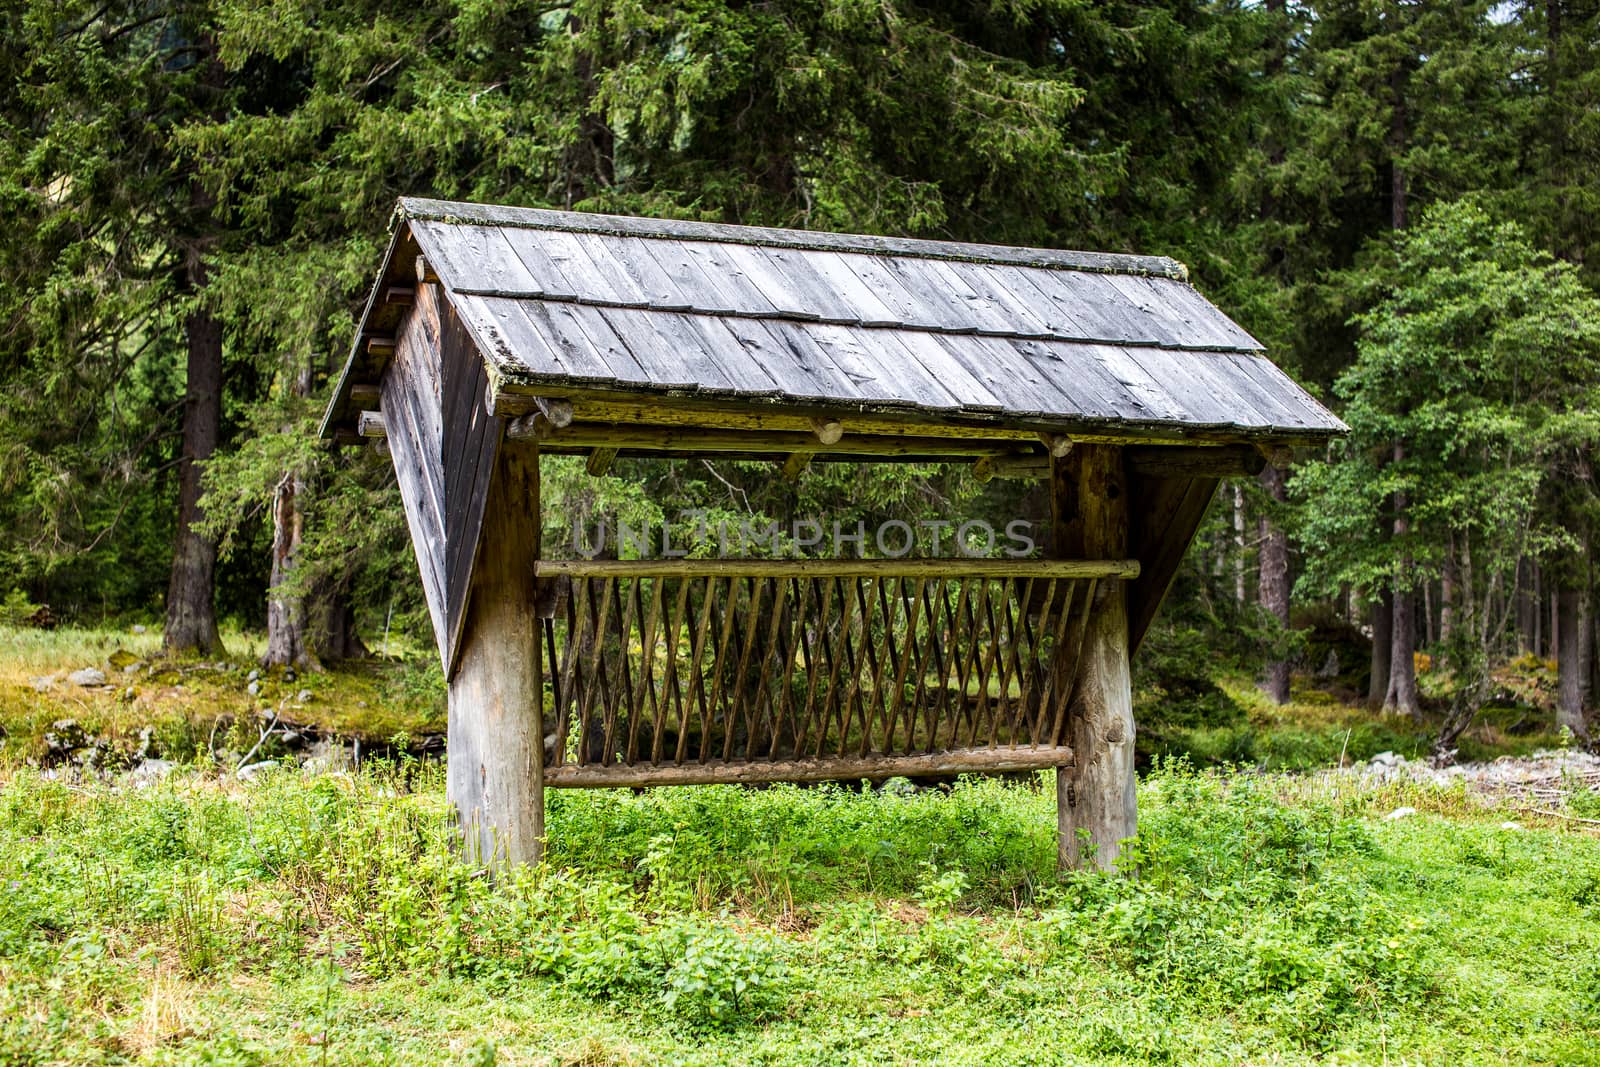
561 303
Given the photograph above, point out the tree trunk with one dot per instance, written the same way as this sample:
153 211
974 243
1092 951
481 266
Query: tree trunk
1095 804
1397 146
1552 644
1569 704
1273 580
1447 593
1427 613
1527 614
1238 545
191 592
1402 692
1401 695
1594 655
333 635
1382 645
288 644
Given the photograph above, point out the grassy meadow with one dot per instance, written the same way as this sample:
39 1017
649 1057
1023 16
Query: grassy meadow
299 918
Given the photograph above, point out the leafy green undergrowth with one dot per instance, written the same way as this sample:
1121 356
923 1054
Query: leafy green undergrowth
324 920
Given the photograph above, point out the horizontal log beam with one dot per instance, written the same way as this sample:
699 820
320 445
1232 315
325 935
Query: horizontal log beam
840 568
689 440
1228 461
845 768
557 409
989 468
653 407
371 424
364 397
1224 461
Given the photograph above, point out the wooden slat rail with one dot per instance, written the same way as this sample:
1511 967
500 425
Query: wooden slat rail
692 671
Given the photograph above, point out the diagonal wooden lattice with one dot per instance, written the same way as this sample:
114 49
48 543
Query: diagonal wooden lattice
685 671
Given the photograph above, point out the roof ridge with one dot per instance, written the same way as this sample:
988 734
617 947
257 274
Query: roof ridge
826 320
448 211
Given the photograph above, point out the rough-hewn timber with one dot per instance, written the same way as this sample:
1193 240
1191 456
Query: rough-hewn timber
1095 793
495 774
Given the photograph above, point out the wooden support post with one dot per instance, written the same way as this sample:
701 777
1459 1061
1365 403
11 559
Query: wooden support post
795 466
495 770
600 460
1095 806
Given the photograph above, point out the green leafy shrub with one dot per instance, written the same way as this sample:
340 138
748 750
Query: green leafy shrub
714 978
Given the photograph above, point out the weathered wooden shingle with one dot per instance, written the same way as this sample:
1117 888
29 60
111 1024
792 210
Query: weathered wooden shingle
568 302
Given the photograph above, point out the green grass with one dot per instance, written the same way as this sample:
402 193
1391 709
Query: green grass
311 921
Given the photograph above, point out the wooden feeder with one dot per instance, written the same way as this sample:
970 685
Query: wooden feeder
496 335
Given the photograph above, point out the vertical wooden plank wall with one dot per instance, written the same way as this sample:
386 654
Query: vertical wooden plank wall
1095 804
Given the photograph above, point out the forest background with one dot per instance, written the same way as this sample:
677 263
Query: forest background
1398 198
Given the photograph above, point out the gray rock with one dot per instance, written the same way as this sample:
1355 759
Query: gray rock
65 737
253 676
1400 813
303 697
135 667
289 675
138 629
250 770
326 757
254 689
1330 666
150 771
43 684
88 677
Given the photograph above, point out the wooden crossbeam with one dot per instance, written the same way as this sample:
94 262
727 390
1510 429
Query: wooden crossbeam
1161 461
845 768
962 567
583 436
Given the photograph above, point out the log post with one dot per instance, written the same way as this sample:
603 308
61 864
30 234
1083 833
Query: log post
495 776
1095 793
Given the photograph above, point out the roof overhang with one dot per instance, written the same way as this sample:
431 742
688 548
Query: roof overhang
639 321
